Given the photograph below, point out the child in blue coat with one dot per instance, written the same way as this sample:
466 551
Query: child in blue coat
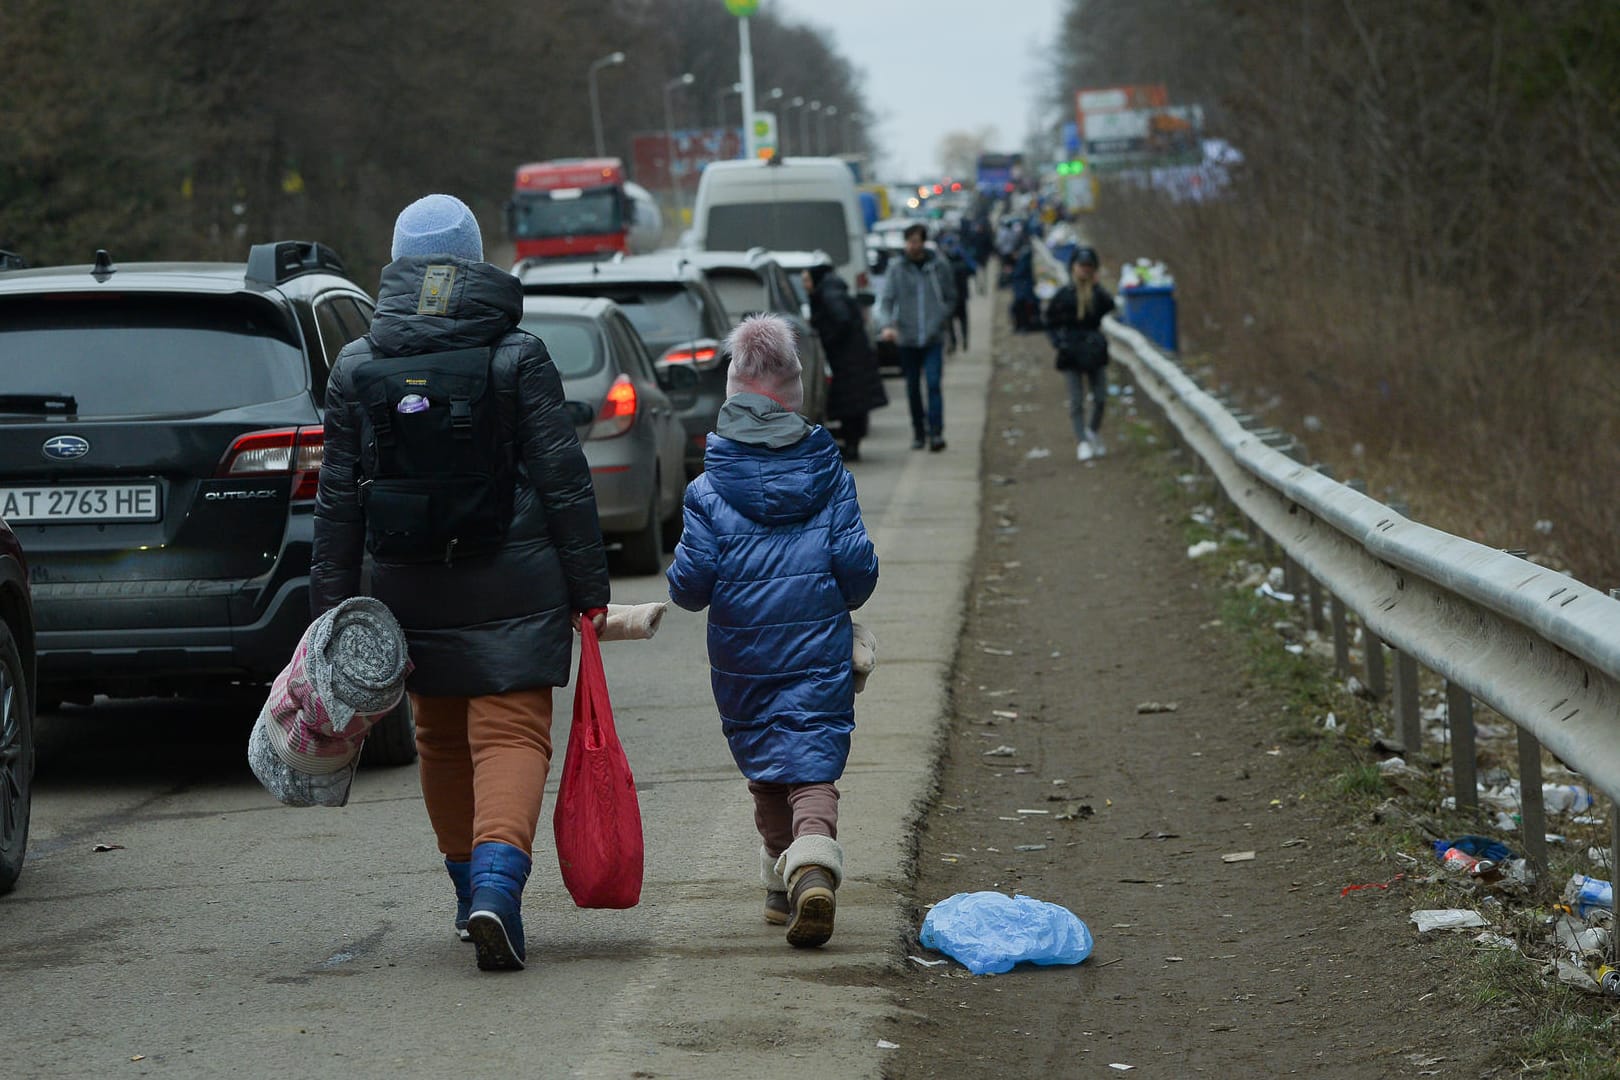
775 548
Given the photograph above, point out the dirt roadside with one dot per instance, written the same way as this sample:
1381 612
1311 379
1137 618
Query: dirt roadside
1256 967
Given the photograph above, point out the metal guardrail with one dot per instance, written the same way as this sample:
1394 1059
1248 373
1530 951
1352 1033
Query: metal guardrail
1537 646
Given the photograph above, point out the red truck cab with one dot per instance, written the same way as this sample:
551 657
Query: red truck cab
575 208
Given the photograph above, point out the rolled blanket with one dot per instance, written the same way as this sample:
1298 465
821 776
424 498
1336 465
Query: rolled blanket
632 622
348 672
865 655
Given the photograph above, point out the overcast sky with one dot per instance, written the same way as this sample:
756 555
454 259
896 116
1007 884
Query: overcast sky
936 66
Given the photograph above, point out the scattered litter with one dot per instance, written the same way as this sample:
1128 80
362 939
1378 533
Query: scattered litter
108 847
1030 847
1034 811
1543 526
1278 595
1495 941
995 652
1584 894
927 963
1202 548
1297 650
1075 812
1566 798
990 932
1005 714
1038 453
885 1044
1447 919
1579 939
1001 751
1174 959
1158 706
1120 1066
1397 766
1330 722
1573 975
1238 856
1370 885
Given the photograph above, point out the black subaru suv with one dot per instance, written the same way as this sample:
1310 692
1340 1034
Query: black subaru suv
160 440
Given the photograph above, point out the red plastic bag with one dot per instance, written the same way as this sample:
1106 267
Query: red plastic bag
598 818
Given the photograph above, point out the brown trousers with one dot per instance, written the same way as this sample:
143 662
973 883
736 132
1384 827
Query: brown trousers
484 762
785 812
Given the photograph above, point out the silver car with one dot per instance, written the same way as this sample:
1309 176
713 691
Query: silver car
625 412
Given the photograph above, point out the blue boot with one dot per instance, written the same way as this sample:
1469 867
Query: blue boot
461 877
495 923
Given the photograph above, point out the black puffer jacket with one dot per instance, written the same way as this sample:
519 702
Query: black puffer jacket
856 388
489 624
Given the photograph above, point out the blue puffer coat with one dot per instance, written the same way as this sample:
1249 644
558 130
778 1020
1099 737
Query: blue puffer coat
774 546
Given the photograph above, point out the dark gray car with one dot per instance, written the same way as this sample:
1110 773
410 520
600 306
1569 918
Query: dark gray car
753 281
625 414
681 320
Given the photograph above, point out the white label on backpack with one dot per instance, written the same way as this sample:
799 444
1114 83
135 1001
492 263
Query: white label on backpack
436 283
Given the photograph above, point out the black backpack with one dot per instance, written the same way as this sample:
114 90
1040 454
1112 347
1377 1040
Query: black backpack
436 481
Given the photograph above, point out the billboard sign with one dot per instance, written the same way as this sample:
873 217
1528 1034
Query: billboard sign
693 149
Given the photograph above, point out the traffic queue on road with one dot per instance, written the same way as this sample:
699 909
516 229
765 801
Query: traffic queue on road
163 433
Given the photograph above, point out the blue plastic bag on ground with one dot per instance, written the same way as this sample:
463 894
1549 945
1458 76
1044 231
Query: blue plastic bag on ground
989 932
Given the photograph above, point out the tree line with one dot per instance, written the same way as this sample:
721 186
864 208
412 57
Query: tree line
1420 246
188 129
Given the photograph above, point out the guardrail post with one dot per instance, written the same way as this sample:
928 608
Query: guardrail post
1532 815
1313 590
1614 861
1341 637
1406 705
1291 577
1375 662
1460 715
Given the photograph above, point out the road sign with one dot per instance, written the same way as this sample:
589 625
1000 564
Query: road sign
743 8
764 133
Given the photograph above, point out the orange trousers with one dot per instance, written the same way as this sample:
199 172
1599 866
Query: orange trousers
484 762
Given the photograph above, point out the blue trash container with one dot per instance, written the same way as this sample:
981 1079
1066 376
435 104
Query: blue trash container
1151 309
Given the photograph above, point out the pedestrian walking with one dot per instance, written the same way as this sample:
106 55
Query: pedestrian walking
857 386
1074 323
962 270
918 298
450 458
775 548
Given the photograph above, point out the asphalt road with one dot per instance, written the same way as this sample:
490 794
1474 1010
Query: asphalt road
226 934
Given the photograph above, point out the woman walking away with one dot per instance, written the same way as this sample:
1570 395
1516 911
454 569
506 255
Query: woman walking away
857 387
774 547
450 458
1074 323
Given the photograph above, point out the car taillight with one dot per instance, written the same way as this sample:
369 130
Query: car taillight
618 413
703 359
295 452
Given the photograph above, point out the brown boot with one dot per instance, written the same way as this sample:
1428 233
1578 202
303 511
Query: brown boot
811 900
777 908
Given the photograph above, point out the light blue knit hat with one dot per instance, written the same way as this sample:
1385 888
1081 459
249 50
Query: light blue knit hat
438 225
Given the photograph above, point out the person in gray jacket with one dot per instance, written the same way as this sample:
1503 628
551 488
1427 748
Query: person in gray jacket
919 294
490 629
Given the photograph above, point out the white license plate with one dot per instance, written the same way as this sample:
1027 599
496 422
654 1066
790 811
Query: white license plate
80 502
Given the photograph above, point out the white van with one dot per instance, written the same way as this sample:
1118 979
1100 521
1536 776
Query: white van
785 204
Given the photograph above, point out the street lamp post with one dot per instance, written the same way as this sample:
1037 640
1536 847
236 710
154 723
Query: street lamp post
827 145
851 118
804 126
669 133
610 60
720 102
793 103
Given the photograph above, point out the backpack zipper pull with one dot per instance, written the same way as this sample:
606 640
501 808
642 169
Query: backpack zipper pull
450 551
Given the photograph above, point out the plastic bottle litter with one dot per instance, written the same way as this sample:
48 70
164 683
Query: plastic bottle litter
990 932
1566 798
1585 894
